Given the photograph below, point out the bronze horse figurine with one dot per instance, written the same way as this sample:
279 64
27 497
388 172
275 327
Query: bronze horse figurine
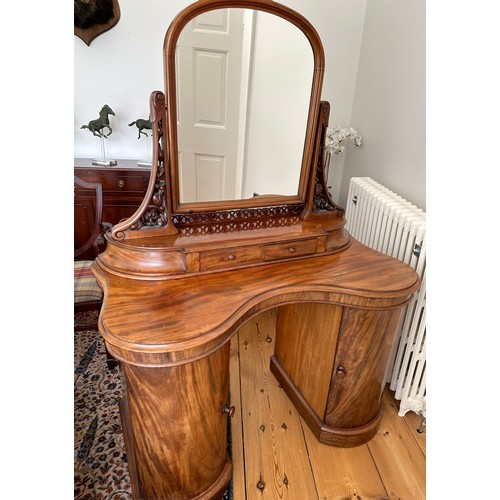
142 124
97 126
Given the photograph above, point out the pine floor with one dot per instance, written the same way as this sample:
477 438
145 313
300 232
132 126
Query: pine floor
276 456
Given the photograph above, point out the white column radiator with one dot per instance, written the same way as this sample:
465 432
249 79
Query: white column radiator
384 221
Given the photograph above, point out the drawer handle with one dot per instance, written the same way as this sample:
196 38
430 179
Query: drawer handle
121 183
231 257
291 250
229 410
341 372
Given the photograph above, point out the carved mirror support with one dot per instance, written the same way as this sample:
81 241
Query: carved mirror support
164 211
156 209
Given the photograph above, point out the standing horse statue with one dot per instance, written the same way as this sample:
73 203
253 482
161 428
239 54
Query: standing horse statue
97 126
142 124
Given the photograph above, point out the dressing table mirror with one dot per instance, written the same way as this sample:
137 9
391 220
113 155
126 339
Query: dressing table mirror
237 219
241 101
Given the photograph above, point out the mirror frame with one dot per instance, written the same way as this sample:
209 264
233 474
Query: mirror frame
169 52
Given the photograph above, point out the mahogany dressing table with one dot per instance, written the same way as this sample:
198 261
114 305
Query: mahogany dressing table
181 275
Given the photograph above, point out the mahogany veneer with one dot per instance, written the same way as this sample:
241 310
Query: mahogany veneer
123 189
179 279
332 348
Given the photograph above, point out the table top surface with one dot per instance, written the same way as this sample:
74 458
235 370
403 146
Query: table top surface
121 164
159 316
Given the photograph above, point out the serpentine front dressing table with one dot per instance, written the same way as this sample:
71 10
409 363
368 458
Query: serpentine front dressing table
189 267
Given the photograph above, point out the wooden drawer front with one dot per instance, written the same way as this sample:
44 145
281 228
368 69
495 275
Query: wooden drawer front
114 211
291 249
217 259
116 180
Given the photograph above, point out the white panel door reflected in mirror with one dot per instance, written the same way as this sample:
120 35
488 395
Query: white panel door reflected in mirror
243 86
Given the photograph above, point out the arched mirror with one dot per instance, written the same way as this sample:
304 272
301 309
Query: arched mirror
243 84
243 89
238 135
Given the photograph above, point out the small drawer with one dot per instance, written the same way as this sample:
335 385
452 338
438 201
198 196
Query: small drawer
290 249
125 182
219 259
118 180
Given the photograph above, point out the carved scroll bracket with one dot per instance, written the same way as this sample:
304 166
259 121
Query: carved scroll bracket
322 201
155 210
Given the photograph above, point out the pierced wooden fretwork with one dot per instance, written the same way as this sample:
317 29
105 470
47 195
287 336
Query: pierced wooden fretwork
322 201
156 212
245 225
240 216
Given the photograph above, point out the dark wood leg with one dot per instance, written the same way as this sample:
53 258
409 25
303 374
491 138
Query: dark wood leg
110 361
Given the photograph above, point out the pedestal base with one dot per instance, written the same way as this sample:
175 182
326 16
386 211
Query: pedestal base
104 163
333 436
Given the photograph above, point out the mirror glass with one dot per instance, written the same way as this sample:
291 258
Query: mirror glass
243 83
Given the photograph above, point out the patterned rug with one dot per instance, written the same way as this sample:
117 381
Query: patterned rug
87 319
101 470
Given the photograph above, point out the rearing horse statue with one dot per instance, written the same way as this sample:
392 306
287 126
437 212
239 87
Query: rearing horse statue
97 126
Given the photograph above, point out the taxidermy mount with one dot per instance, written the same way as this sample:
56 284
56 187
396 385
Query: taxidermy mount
94 17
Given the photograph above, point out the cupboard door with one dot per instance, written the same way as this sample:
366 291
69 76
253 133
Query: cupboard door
358 375
178 419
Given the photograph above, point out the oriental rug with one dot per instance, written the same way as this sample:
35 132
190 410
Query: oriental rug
100 460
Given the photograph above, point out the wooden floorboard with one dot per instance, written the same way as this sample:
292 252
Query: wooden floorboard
414 424
276 456
399 459
271 425
343 472
236 422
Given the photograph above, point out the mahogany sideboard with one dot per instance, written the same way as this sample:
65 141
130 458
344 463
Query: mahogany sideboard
123 189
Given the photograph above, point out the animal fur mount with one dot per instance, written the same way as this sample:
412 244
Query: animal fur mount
95 17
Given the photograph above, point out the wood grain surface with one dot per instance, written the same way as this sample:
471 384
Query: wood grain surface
271 423
306 341
372 471
161 323
179 430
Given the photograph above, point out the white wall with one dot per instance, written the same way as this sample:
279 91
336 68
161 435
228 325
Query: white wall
124 65
340 27
121 68
389 101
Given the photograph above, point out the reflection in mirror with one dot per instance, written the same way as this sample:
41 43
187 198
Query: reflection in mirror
243 92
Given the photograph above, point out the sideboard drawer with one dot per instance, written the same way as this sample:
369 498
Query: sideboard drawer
126 183
116 180
219 259
290 249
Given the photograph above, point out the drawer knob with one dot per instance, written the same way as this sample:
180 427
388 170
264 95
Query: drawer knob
291 250
121 183
231 257
229 410
341 372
